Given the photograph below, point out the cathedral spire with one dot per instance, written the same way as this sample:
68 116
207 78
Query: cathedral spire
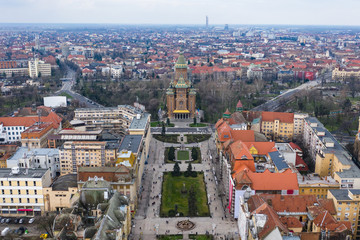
181 62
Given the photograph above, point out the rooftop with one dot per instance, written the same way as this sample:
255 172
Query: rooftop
64 182
31 173
24 152
139 122
131 143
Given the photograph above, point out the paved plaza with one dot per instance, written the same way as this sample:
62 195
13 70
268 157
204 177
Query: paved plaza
147 223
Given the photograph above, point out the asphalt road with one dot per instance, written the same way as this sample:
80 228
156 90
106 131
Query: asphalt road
66 88
182 130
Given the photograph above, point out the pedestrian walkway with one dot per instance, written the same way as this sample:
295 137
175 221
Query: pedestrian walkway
148 223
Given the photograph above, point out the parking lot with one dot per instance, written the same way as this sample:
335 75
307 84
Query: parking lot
31 227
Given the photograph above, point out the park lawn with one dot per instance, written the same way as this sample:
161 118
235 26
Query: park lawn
171 194
169 138
66 95
159 124
198 125
170 237
183 155
201 237
194 138
166 154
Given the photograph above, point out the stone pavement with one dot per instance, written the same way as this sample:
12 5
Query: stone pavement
147 222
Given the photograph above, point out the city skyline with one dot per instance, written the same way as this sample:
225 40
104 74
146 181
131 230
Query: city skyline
277 12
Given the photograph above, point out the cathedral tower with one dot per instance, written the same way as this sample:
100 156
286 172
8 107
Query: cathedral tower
181 96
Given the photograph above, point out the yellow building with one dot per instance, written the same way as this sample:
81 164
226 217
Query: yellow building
22 191
314 185
277 125
140 124
347 205
126 158
61 194
85 153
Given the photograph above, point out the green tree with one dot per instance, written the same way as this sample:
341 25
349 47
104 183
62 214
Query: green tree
194 154
189 168
192 202
163 129
171 153
347 105
176 170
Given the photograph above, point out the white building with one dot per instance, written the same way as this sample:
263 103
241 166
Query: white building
299 120
45 158
11 132
36 66
116 71
55 101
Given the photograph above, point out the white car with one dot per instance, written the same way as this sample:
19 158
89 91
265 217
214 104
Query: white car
31 220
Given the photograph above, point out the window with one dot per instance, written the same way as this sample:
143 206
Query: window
36 200
35 192
12 200
9 183
11 192
34 183
339 209
19 192
18 183
2 183
27 192
3 200
28 200
19 200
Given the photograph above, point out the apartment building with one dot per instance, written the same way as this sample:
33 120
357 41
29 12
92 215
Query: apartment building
277 125
312 184
45 158
299 119
36 135
117 119
347 205
39 68
85 153
22 191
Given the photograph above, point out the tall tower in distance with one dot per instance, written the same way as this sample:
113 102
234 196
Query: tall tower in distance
207 21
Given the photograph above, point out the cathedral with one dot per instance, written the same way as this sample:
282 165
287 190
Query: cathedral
180 96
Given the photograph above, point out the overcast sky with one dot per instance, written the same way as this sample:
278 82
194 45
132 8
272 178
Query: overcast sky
302 12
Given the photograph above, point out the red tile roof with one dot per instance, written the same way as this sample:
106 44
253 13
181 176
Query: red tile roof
281 116
29 121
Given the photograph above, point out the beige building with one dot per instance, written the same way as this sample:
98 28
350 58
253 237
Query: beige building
85 153
61 194
117 119
22 191
37 68
312 184
36 135
345 73
347 205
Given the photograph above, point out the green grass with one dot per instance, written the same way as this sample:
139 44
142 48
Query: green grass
169 138
171 194
159 124
166 152
198 125
170 237
66 95
183 155
201 237
194 138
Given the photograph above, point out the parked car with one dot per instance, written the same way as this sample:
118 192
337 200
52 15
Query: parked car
31 220
5 232
21 221
16 220
8 220
3 220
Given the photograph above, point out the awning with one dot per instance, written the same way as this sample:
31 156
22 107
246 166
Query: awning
25 210
181 111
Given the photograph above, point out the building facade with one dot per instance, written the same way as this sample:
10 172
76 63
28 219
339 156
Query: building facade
39 68
181 96
85 153
22 191
277 125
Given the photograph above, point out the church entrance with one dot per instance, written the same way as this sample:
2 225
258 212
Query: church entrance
182 115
